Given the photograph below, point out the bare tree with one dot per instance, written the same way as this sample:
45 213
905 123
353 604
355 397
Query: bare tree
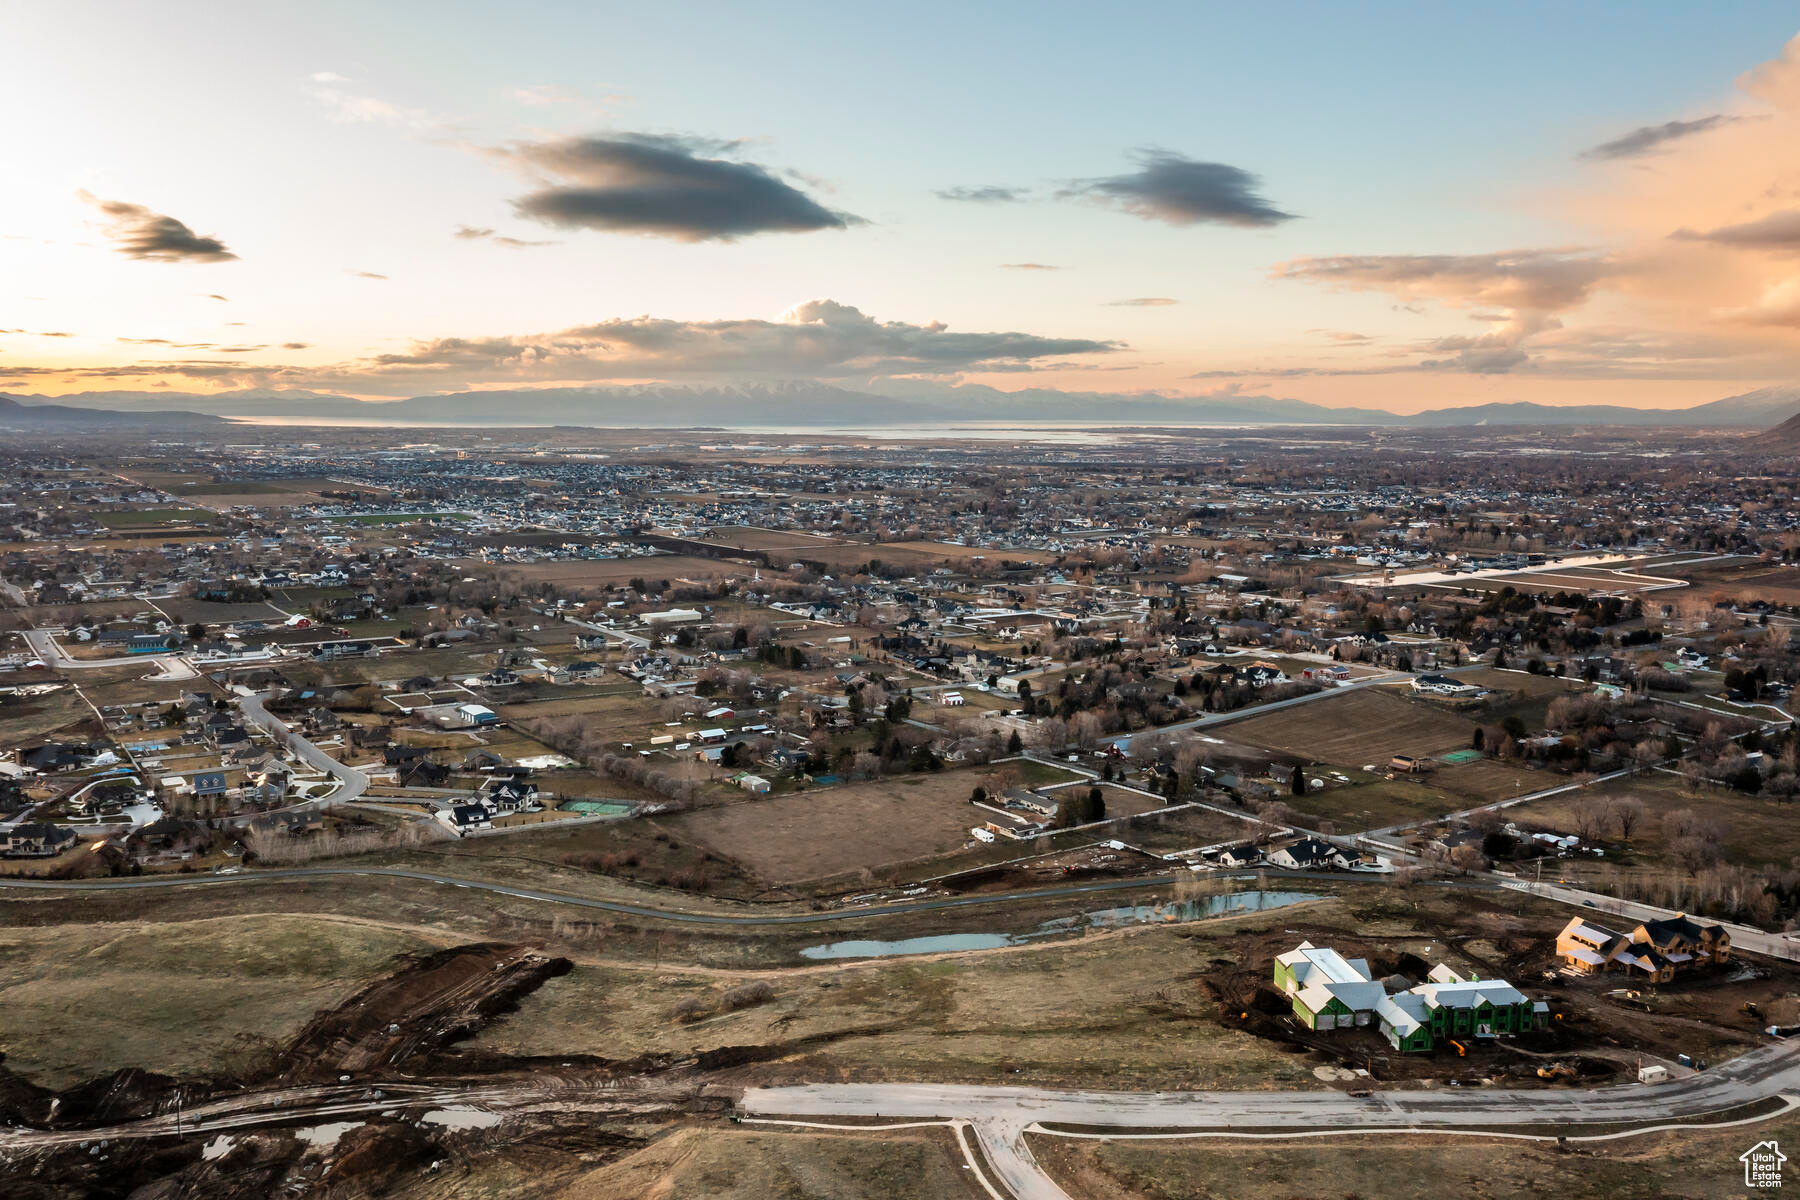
1628 813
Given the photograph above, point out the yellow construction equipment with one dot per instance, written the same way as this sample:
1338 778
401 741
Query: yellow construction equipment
1556 1071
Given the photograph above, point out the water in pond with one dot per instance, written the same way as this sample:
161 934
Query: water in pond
1105 918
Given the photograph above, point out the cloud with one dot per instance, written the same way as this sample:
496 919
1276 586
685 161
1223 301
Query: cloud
355 274
354 108
982 195
1485 360
1777 307
821 339
661 186
1141 302
1549 279
473 233
152 237
216 296
1181 191
1028 267
1777 231
37 333
1533 286
1647 139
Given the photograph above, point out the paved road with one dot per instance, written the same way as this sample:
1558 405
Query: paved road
281 874
351 782
1001 1117
43 644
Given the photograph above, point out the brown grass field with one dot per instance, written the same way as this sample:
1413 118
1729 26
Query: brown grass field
1370 725
830 831
745 537
1696 1164
598 574
1758 830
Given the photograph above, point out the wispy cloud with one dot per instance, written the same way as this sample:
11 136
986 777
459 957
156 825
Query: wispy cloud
1777 231
358 108
982 195
476 233
1142 302
1029 266
1647 139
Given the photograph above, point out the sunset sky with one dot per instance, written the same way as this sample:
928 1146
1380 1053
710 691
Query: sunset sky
1354 205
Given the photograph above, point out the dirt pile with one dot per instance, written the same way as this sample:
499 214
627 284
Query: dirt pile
434 1001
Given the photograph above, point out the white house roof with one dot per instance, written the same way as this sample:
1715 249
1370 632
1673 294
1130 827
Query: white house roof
1322 964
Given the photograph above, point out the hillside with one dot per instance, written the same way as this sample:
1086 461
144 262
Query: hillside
14 415
1785 435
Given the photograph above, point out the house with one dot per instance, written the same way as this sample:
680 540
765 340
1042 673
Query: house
673 616
1308 854
510 795
1329 991
1655 950
334 651
168 837
476 714
1407 764
35 839
465 817
1234 857
1443 685
1259 675
951 699
422 774
754 784
209 784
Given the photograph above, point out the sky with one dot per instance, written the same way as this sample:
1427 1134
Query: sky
1405 207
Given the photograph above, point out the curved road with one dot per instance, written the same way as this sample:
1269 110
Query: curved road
351 782
278 874
1001 1117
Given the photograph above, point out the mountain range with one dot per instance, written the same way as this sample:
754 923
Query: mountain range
821 405
20 413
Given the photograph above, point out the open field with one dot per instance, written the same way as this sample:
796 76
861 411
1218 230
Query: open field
35 717
919 555
738 1164
1372 802
1121 1007
1187 829
1694 1164
1758 830
831 831
188 997
1748 578
1369 725
747 538
143 518
599 573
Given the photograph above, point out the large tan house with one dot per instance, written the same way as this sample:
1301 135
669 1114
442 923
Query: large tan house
1655 951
